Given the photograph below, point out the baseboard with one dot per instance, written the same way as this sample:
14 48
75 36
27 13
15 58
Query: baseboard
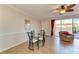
8 41
11 46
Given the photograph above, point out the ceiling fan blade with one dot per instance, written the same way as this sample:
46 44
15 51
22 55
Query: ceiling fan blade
70 6
69 10
62 6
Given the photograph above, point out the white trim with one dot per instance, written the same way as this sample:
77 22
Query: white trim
14 38
12 46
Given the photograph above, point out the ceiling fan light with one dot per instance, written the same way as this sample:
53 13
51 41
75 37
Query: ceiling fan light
62 11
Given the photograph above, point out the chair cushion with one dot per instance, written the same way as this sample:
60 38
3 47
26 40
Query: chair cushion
34 40
65 32
40 38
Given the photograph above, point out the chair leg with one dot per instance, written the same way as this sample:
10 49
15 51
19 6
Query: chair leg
43 42
29 45
38 44
33 46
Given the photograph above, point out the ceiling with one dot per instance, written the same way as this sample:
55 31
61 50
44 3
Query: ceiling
44 11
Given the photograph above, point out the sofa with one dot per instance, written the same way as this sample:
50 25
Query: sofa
66 36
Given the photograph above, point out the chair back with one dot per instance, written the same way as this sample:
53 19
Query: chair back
42 34
30 36
32 33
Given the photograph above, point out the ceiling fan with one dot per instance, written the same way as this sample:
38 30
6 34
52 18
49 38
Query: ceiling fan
65 8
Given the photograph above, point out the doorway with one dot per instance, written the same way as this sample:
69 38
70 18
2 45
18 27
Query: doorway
76 28
63 25
69 25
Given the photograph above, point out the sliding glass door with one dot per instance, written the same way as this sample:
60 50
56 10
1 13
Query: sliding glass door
62 25
57 28
76 28
66 25
69 25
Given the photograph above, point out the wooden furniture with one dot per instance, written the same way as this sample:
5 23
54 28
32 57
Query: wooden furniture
42 37
32 40
65 36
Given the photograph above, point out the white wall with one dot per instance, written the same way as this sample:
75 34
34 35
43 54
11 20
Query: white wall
12 31
34 25
46 25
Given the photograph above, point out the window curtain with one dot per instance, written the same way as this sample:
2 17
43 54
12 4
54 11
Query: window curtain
52 26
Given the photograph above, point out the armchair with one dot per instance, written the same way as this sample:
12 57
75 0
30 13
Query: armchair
65 36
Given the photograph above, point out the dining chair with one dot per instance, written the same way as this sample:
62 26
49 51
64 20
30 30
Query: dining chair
32 40
42 37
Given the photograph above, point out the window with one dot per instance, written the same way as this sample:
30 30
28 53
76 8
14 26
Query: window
66 25
69 25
